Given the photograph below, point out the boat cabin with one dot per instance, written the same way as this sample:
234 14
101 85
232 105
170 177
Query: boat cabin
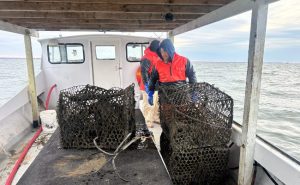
103 60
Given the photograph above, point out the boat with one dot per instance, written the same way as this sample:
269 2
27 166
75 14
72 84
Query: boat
111 61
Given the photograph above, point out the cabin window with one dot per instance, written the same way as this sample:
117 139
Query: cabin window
74 53
54 54
65 53
135 51
106 52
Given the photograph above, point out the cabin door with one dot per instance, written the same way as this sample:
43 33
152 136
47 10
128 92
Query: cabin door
106 63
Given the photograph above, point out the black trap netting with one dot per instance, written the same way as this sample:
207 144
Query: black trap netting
87 112
196 120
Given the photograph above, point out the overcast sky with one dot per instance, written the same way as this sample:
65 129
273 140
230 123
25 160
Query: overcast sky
222 41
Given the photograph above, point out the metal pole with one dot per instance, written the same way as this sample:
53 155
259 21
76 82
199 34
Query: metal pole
252 92
31 80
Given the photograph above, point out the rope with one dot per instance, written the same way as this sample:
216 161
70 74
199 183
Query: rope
183 114
101 150
121 148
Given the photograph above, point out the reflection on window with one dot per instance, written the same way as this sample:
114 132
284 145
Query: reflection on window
54 54
135 51
105 52
65 53
74 53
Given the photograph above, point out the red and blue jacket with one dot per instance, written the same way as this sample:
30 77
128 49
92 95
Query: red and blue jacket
176 71
148 61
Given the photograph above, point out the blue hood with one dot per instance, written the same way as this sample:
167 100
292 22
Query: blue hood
168 46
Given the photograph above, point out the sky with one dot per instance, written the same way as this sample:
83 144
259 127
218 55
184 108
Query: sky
224 41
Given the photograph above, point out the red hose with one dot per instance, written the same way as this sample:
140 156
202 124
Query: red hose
49 95
22 156
28 146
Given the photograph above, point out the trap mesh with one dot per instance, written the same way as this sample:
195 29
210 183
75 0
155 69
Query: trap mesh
85 112
195 165
195 115
196 120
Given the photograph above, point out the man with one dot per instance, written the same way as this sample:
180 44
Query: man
148 61
172 70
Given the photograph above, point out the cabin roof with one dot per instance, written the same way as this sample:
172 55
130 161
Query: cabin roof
105 15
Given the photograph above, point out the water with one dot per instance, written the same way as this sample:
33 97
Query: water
279 109
13 77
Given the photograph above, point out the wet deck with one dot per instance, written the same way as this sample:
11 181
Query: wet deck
55 165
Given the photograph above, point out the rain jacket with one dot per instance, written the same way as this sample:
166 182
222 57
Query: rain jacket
175 71
139 78
148 61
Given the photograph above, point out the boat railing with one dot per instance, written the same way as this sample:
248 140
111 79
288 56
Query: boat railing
274 160
16 116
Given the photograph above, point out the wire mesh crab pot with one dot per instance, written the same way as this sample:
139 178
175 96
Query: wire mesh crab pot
195 165
196 120
87 112
195 115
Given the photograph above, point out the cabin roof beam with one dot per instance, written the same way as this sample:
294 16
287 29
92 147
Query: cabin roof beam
229 10
138 2
92 21
50 6
17 29
95 15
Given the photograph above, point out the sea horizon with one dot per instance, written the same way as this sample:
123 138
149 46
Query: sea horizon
196 61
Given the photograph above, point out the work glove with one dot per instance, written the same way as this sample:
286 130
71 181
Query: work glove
150 97
194 97
147 88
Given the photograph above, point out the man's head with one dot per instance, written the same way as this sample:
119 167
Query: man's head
154 45
167 50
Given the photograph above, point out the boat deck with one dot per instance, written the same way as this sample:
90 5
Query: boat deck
55 165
